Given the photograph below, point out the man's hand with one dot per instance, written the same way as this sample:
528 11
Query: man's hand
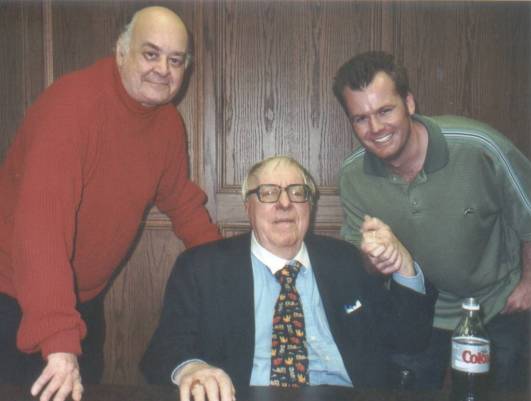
520 298
383 250
60 377
205 382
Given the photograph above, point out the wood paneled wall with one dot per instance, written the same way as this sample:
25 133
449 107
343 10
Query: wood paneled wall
261 85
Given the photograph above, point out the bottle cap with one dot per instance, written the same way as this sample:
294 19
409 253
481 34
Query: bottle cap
470 304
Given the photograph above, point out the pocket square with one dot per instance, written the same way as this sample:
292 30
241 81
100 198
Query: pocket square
352 308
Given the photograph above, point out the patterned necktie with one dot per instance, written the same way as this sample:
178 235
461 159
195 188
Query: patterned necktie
289 357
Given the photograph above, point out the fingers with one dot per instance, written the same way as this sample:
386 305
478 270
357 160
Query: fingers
206 383
41 381
59 379
374 230
383 249
198 392
386 260
372 224
77 391
520 299
184 391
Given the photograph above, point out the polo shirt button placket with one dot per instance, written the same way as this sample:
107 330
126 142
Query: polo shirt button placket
414 206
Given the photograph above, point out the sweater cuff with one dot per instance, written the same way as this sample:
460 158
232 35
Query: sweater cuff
63 341
198 235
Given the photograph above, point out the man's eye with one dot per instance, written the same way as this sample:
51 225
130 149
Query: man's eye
357 120
177 61
268 192
385 111
150 56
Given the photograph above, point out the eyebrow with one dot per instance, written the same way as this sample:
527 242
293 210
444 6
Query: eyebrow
155 47
385 106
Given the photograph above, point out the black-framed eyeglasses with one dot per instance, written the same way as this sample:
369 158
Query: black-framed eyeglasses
270 193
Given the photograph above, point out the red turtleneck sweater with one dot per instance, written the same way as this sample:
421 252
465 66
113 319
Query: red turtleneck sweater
85 164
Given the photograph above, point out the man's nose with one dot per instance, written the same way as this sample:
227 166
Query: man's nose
162 66
374 124
283 199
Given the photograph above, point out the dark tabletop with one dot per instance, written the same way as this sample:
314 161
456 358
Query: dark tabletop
313 393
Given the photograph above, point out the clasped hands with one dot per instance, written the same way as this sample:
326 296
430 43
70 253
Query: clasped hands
204 382
383 250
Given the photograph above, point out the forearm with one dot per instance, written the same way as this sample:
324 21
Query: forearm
186 209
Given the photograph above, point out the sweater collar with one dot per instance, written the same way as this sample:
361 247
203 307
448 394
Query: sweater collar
436 154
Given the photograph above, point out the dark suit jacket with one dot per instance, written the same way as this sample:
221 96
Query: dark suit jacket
208 312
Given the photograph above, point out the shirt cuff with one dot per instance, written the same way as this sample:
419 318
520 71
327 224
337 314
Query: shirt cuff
416 282
175 375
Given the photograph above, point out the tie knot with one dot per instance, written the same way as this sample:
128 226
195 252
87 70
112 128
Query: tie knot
288 274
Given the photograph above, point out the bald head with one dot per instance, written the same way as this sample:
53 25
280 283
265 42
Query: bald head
152 54
149 18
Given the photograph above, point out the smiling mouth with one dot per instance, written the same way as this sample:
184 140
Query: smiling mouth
383 139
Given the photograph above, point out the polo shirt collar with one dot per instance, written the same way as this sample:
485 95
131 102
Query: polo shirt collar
273 262
436 157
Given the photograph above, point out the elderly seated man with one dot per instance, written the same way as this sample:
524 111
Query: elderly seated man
280 306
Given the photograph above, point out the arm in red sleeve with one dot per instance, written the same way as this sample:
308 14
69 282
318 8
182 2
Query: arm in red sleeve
181 199
47 166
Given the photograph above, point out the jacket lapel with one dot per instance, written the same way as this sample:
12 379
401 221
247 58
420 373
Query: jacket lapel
337 284
323 269
237 278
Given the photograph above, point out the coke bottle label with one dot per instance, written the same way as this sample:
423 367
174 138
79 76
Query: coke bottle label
470 354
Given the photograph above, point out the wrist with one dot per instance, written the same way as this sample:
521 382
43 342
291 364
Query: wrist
407 269
188 369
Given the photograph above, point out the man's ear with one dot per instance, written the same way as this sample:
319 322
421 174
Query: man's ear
410 103
120 54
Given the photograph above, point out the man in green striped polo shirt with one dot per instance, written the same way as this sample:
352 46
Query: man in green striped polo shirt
457 195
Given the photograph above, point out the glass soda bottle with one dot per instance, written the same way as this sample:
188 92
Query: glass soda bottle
470 355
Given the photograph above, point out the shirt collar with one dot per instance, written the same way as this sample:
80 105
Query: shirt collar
273 262
436 154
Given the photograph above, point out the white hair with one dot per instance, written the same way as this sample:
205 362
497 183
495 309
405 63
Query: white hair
124 40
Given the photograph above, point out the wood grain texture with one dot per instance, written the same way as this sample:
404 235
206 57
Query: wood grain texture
133 304
274 66
21 68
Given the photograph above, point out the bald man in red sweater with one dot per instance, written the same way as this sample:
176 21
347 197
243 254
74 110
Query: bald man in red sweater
94 151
